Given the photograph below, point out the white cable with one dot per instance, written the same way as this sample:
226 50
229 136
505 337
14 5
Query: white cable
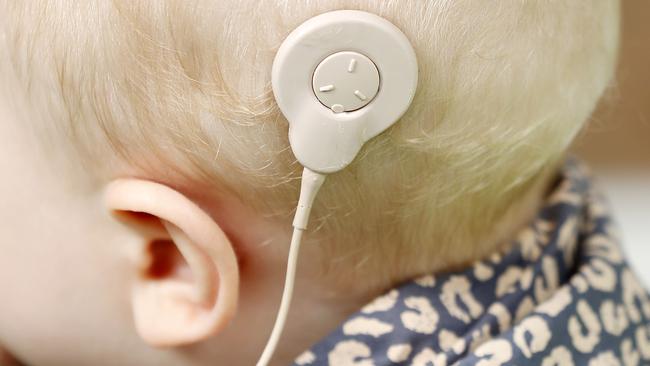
311 183
286 299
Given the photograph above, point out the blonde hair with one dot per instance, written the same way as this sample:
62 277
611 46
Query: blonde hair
503 90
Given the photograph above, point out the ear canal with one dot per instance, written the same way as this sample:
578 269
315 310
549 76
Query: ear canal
165 261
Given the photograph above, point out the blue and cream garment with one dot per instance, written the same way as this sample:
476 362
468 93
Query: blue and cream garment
563 295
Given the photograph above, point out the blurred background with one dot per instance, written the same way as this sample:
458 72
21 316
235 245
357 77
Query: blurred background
617 141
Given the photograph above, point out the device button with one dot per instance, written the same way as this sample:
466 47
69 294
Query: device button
346 81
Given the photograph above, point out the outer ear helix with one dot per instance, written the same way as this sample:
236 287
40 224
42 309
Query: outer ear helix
169 311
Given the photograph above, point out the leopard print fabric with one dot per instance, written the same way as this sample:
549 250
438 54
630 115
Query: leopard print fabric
563 295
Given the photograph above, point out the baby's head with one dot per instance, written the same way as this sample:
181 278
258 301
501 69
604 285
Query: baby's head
149 186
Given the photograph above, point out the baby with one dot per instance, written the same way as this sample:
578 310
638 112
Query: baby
148 192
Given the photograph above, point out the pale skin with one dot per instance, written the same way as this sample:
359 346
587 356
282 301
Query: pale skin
133 266
147 269
83 285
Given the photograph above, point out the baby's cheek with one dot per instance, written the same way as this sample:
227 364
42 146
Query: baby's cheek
64 287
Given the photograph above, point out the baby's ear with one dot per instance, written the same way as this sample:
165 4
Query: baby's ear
187 279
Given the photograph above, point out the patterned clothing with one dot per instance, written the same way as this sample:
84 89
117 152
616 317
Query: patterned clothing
562 295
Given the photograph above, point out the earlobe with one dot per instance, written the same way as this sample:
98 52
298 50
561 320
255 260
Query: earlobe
188 287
